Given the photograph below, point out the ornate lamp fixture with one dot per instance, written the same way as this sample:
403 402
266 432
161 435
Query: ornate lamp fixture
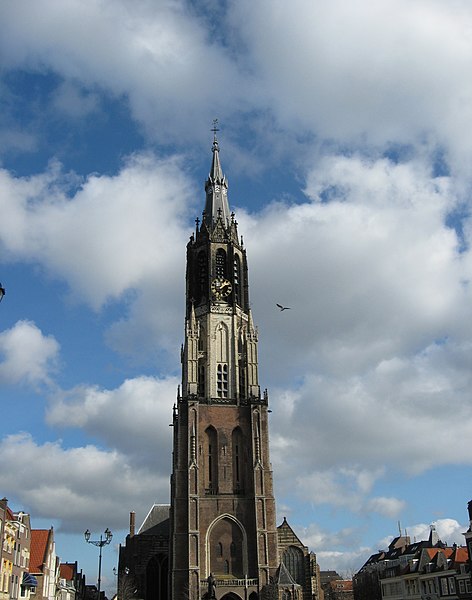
103 541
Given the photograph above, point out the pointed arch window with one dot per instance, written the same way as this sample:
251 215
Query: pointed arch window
237 450
242 380
236 278
220 263
201 380
202 284
294 561
211 460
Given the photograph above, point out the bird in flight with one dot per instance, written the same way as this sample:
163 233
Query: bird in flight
283 307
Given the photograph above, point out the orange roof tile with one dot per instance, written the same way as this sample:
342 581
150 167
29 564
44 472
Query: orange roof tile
461 555
39 544
67 571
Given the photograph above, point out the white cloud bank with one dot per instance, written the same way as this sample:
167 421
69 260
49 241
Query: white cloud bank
77 485
134 418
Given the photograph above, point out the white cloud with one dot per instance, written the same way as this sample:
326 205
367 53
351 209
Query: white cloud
155 54
27 355
133 418
391 72
343 487
109 235
82 487
389 507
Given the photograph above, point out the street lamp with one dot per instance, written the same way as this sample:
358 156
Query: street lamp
103 541
2 292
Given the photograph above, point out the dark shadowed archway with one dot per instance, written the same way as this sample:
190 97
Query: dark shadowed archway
157 574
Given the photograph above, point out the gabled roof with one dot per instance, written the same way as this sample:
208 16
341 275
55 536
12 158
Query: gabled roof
283 576
156 521
38 549
287 535
460 555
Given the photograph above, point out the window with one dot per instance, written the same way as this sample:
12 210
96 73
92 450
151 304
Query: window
452 585
293 560
220 263
444 590
236 278
202 274
201 380
211 470
237 448
222 381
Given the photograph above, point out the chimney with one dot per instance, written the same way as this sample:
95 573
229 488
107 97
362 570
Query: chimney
132 522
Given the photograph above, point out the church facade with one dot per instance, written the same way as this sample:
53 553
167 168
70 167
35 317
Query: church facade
223 542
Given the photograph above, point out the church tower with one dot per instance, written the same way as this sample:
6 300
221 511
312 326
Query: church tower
223 540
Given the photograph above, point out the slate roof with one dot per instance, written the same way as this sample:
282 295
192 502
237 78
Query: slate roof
156 521
283 576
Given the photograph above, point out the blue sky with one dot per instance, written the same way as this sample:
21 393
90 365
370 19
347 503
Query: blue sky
344 133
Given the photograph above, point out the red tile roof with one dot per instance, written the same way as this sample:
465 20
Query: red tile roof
67 571
460 555
39 544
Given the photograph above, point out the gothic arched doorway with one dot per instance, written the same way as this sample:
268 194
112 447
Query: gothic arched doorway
157 574
226 549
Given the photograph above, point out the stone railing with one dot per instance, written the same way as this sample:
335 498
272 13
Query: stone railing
229 583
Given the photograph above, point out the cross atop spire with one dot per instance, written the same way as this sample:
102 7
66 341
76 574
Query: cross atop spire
215 129
216 187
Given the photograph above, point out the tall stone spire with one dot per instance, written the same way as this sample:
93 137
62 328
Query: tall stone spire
222 518
216 188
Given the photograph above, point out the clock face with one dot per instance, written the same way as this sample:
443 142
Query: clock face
220 288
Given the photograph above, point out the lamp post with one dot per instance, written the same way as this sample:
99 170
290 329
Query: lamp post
103 541
2 292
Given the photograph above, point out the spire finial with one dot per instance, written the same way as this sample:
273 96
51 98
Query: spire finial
215 129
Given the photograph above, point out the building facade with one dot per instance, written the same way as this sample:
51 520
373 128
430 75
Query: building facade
16 582
426 570
44 564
